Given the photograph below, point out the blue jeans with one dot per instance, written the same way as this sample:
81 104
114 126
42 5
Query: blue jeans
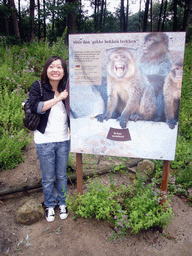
53 163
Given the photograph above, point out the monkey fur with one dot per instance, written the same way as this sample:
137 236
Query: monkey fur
155 63
172 93
126 89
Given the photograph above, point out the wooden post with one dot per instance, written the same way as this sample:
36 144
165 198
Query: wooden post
164 182
164 185
79 173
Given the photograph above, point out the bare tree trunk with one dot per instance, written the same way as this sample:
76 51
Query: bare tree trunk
175 15
32 6
188 10
39 19
80 16
101 16
71 19
140 16
14 18
145 16
19 9
164 16
160 14
95 15
151 15
44 20
53 16
6 19
127 17
105 10
122 17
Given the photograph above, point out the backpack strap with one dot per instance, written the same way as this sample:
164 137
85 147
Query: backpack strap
41 88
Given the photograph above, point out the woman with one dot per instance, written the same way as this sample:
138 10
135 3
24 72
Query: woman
52 138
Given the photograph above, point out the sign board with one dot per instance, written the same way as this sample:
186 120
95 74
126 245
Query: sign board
125 90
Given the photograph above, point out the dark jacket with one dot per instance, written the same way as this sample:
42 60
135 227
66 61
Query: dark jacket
35 101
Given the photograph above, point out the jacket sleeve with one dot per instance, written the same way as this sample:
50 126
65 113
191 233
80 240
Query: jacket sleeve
35 102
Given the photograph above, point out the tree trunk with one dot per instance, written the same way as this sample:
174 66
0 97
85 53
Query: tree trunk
101 16
164 16
80 16
151 15
95 16
160 14
53 16
19 9
14 18
122 17
127 17
105 10
71 19
6 19
39 19
145 16
32 6
140 16
188 7
175 15
44 20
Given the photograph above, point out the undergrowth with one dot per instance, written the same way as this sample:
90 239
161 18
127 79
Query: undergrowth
133 208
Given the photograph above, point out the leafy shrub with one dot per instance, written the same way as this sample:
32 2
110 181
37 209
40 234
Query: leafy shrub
135 208
13 138
11 146
98 202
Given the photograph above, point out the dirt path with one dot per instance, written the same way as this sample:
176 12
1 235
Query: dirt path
82 237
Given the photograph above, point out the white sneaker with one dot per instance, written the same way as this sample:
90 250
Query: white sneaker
63 211
50 214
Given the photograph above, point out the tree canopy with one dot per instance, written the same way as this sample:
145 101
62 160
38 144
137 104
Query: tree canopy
48 19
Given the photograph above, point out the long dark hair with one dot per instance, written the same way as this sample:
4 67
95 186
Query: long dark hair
44 77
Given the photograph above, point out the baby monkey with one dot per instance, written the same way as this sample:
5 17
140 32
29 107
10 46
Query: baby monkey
172 93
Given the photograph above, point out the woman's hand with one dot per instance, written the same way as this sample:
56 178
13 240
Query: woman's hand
50 103
63 95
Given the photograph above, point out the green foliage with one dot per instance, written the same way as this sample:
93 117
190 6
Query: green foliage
98 202
136 208
145 210
13 138
185 116
11 146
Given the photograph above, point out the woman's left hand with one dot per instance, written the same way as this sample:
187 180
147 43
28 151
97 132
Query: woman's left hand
63 95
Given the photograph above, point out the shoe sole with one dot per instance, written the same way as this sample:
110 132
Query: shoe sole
50 220
63 217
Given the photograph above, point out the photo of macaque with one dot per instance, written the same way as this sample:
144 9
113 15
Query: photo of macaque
127 92
172 93
155 63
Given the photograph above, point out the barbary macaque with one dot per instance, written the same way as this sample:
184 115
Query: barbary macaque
126 89
155 63
172 93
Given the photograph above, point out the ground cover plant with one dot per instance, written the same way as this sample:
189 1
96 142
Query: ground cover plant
135 207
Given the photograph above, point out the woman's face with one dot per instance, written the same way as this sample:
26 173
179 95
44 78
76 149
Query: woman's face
55 71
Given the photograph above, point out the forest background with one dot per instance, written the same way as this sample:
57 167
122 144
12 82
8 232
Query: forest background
28 36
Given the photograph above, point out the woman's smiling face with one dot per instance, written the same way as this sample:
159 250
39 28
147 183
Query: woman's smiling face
55 71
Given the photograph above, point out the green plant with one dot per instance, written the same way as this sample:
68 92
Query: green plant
13 138
136 208
98 202
145 208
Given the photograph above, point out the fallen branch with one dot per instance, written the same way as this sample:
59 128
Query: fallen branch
71 178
